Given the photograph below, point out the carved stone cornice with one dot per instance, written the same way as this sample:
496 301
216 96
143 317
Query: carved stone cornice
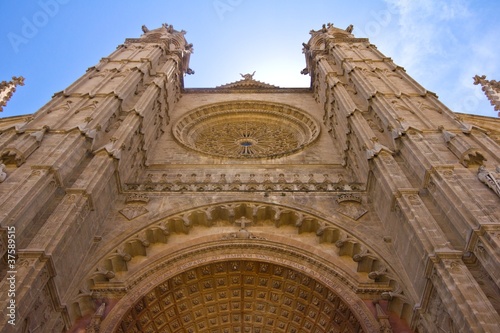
242 187
247 182
350 40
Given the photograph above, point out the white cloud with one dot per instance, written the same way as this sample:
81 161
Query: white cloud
443 44
424 28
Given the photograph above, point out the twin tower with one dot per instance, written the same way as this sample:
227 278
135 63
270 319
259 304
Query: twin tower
129 203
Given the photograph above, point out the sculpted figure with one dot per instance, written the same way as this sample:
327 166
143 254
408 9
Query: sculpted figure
490 179
248 76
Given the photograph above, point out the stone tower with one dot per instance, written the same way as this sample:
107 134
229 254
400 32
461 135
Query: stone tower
129 203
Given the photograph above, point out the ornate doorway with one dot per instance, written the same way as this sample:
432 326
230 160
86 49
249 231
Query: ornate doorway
240 272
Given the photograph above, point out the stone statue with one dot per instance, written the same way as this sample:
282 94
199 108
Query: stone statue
490 179
248 76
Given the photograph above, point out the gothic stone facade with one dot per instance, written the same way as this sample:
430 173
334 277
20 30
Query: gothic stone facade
361 204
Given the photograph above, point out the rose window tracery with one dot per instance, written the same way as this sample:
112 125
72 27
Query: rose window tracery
246 130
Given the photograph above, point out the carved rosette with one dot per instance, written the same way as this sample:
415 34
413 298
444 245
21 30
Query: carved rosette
245 130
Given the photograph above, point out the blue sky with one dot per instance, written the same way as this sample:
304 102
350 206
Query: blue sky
441 43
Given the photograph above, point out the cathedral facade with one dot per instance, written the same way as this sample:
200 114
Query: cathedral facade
129 203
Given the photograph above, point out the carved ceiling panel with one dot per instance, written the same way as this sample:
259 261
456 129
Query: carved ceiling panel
237 297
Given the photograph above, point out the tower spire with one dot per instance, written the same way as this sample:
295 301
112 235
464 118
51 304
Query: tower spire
174 41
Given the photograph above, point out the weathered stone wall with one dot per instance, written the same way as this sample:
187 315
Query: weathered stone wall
424 164
365 182
64 167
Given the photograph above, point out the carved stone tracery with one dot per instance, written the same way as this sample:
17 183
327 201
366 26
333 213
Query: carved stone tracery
246 130
250 182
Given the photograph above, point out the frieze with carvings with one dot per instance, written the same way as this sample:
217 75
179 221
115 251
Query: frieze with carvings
251 183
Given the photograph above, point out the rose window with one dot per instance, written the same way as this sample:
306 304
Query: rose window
246 130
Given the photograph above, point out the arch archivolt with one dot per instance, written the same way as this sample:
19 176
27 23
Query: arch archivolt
252 231
307 271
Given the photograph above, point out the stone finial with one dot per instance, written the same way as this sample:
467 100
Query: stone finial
491 89
7 89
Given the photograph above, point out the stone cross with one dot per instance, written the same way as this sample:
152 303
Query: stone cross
243 221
